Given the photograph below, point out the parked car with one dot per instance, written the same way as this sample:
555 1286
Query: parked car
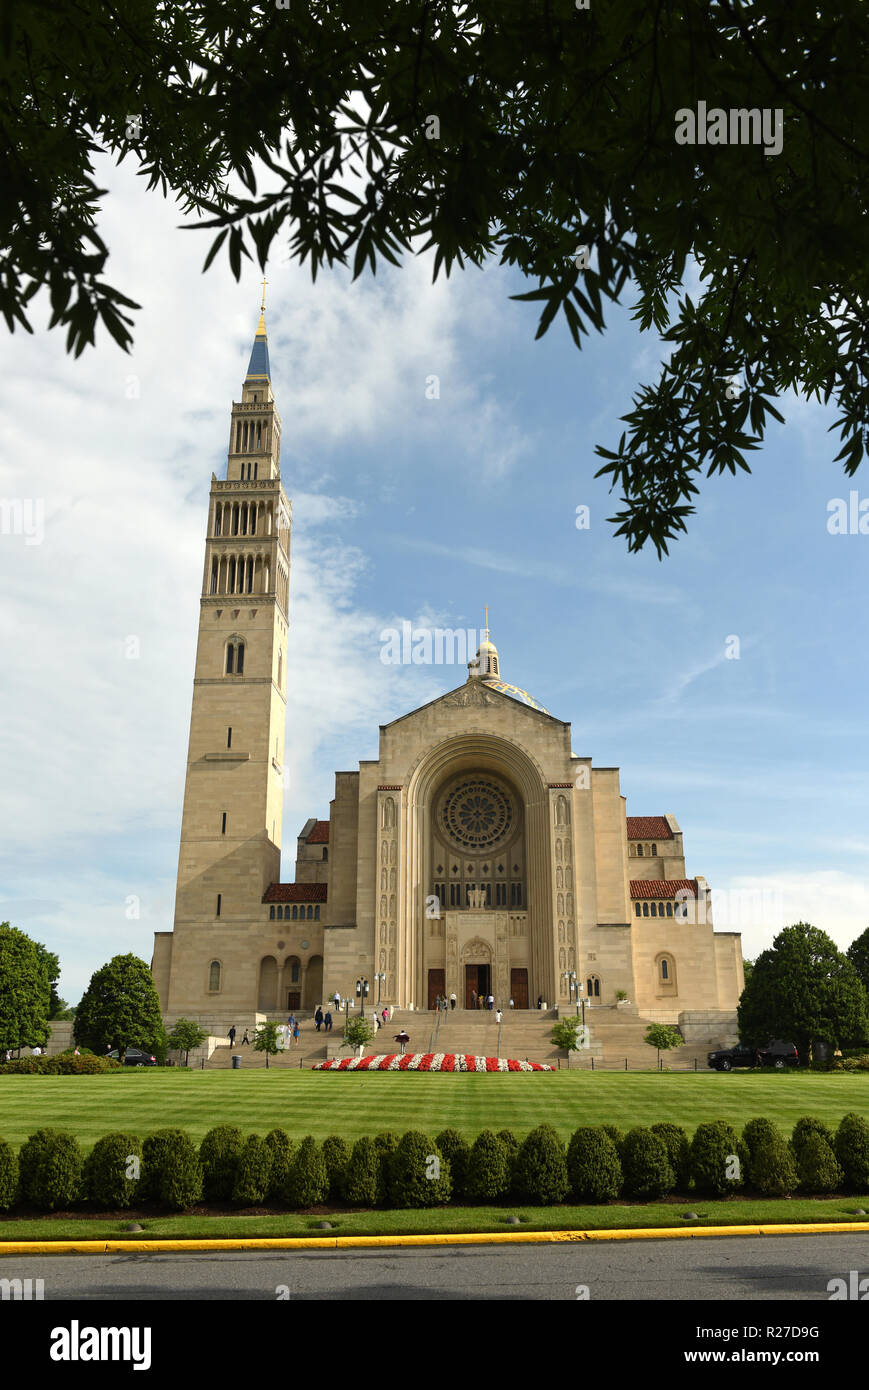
135 1057
775 1054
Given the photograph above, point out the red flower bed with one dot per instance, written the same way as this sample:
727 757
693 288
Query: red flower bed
430 1062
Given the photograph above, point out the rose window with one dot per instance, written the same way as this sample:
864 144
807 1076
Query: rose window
477 814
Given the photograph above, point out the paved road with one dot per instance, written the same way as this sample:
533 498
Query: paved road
725 1269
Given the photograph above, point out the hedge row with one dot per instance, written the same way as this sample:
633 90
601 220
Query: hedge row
598 1164
64 1064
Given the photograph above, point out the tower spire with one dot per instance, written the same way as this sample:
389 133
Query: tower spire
259 357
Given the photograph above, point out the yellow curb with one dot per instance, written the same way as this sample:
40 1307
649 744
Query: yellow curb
157 1246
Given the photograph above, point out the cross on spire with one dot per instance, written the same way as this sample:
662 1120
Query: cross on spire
263 305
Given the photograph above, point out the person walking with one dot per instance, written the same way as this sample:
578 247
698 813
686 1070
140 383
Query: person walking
453 1000
385 1014
327 1020
497 1015
231 1036
437 1003
491 1002
473 998
245 1039
402 1039
291 1021
296 1034
318 1018
511 1004
336 1000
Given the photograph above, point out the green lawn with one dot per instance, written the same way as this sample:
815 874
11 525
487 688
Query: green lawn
321 1103
445 1220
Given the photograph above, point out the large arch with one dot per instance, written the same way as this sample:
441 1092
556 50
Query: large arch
267 994
313 992
476 751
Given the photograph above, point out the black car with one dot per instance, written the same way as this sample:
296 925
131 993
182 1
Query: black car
776 1054
135 1057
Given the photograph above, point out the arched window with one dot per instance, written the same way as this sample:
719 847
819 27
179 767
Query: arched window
645 909
665 969
593 987
281 914
654 909
214 977
638 910
325 853
230 658
280 667
272 914
654 849
295 914
317 913
669 909
640 851
660 909
239 664
294 972
310 914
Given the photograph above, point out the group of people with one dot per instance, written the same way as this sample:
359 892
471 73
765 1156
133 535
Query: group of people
484 1001
442 1002
323 1020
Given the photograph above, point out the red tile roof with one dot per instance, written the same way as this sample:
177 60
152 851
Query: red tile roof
662 888
648 828
295 893
320 834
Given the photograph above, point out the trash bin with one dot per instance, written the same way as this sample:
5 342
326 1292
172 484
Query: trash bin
236 1061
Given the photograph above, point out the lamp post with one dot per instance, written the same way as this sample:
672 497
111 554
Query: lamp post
573 985
580 998
379 977
361 994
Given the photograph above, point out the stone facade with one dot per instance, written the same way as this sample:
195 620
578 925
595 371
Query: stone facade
476 853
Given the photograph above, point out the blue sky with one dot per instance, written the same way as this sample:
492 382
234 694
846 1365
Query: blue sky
408 508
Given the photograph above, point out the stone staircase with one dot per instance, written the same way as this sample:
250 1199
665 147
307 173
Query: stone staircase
617 1037
524 1033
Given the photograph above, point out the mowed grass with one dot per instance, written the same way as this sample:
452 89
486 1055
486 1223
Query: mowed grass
321 1103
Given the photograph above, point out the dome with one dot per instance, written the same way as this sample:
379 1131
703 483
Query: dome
514 692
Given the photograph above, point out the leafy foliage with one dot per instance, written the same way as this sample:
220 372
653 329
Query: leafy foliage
852 1151
8 1176
307 1181
818 1169
806 1126
361 1183
662 1037
219 1155
480 130
456 1151
678 1147
27 971
185 1036
858 955
105 1180
563 1034
593 1165
803 989
281 1148
713 1148
171 1172
358 1032
336 1155
50 1168
414 1179
771 1167
541 1167
265 1039
121 1008
646 1165
488 1175
253 1173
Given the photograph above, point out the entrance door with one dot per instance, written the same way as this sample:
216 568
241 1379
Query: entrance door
519 988
294 1000
436 986
478 978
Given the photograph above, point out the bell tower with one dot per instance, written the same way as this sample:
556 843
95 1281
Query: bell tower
233 795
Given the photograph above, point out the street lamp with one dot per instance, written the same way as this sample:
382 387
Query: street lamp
573 984
379 977
361 995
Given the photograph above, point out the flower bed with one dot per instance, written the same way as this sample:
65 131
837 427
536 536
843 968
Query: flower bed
428 1061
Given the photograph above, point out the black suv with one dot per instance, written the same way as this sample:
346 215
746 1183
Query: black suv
776 1054
135 1057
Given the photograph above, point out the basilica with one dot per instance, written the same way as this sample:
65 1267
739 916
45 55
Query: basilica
476 854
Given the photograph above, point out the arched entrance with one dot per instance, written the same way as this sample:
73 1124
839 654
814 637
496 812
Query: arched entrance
268 985
477 975
292 984
314 982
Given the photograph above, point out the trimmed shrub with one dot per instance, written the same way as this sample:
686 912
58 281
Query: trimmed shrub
771 1167
281 1148
541 1167
219 1154
67 1064
488 1174
307 1182
818 1169
616 1135
50 1167
105 1180
25 1066
508 1138
807 1125
678 1147
361 1185
645 1164
713 1149
593 1165
386 1142
8 1176
171 1171
456 1151
336 1156
253 1173
852 1151
415 1180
